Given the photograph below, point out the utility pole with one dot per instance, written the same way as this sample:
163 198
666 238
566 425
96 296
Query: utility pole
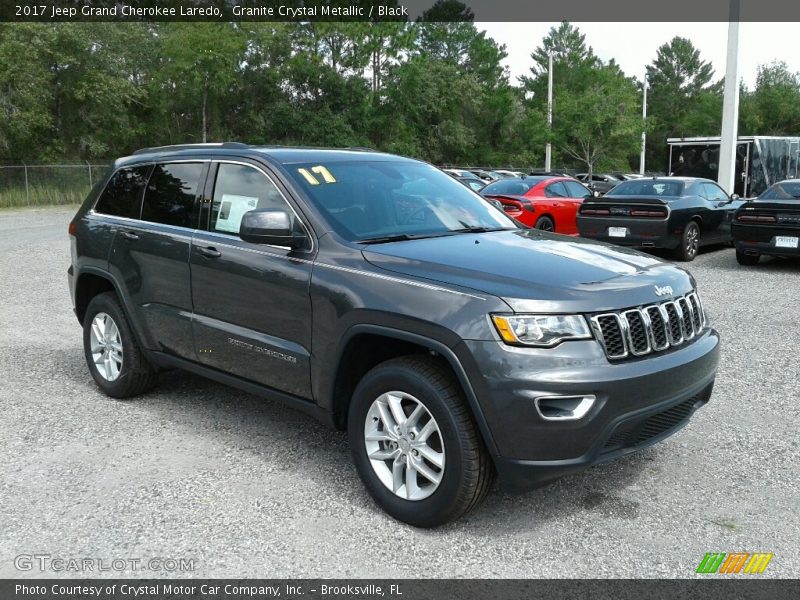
644 123
730 105
548 149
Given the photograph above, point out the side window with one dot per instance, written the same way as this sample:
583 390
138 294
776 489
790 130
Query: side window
170 194
123 194
576 190
555 190
714 192
240 189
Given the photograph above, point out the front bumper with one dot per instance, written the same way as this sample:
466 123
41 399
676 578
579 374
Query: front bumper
761 239
639 233
638 402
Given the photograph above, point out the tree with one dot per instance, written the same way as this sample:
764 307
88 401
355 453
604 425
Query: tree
595 107
601 123
773 107
684 99
199 67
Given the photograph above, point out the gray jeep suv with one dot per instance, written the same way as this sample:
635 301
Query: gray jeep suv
382 296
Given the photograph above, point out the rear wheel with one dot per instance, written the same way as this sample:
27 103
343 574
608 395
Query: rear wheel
747 259
545 224
414 443
690 242
115 360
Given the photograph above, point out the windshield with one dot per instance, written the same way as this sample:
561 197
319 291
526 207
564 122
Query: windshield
368 200
787 190
647 187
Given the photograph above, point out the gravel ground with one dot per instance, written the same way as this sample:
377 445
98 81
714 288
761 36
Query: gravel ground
247 488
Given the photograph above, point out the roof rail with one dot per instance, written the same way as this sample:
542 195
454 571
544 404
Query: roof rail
198 146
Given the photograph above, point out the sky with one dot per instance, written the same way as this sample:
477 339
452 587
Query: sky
634 45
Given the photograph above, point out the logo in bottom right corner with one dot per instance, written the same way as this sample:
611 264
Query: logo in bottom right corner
734 563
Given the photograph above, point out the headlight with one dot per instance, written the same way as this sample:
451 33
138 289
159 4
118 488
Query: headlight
541 330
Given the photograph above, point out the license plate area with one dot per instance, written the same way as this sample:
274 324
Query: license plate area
617 232
786 241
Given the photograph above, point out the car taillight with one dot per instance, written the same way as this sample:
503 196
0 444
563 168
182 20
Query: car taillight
757 219
595 211
73 228
648 213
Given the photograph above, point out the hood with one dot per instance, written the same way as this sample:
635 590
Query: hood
532 270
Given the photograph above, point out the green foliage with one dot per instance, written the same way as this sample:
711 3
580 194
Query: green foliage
597 110
773 107
683 99
435 89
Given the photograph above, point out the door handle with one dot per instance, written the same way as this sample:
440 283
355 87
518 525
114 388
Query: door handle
209 251
130 235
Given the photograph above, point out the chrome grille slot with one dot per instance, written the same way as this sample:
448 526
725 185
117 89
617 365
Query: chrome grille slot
658 328
610 332
673 323
699 319
647 329
687 318
638 338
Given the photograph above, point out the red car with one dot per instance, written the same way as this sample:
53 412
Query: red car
541 201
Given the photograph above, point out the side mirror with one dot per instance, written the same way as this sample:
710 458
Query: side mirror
269 226
596 194
734 197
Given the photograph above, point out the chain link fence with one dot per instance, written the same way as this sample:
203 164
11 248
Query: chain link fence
45 185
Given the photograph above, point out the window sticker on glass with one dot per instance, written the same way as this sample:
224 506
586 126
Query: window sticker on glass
327 176
231 211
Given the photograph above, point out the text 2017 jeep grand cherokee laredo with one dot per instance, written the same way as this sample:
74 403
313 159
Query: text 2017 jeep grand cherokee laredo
379 294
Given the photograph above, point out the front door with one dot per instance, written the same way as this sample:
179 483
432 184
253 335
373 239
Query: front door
252 308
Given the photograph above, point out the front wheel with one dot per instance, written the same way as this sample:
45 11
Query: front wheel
690 242
414 443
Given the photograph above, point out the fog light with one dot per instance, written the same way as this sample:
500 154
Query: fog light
564 408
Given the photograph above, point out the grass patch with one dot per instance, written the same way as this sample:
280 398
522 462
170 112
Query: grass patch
16 197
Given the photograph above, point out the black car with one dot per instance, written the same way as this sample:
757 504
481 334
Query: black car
381 296
769 224
677 213
601 183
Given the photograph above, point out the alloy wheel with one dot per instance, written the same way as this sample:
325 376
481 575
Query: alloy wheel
404 445
692 240
106 346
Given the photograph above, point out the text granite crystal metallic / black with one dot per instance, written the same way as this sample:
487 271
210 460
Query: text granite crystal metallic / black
382 296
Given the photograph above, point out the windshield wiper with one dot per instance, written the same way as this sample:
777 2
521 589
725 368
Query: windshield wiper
478 229
398 237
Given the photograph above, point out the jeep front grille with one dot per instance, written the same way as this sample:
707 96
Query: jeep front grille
652 328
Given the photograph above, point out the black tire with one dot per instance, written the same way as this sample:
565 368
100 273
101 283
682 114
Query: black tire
468 471
748 260
545 224
690 242
136 374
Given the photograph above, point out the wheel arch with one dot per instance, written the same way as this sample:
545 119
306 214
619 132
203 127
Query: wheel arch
91 283
365 346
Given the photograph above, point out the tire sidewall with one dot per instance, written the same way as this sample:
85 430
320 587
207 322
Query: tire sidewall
684 240
435 509
104 303
544 219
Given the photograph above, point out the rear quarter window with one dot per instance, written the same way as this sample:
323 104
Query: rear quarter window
122 197
170 194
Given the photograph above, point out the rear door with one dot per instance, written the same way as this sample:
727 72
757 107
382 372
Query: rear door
252 307
150 256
